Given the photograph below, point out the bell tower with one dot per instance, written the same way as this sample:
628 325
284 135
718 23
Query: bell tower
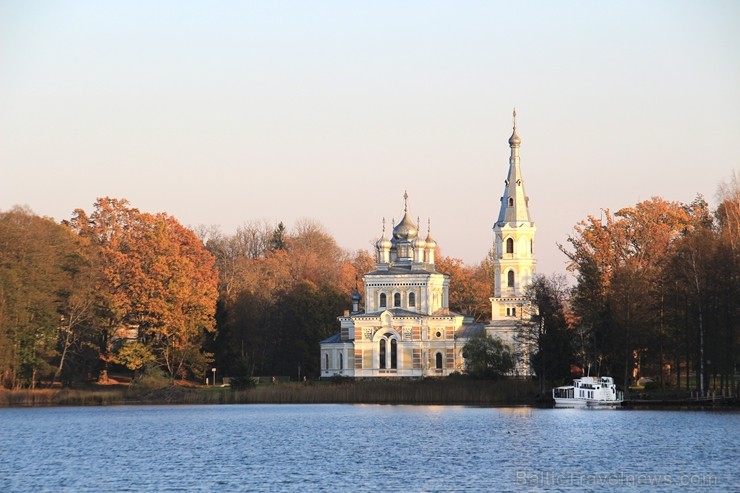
514 259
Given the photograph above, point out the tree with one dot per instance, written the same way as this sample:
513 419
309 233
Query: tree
33 285
620 261
487 357
548 336
157 279
470 287
135 356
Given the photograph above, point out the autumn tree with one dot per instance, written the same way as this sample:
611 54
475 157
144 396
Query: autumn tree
470 287
619 260
157 279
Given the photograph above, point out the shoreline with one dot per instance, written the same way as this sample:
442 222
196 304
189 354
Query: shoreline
430 392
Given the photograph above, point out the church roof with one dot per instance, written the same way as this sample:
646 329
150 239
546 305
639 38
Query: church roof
333 339
400 312
405 269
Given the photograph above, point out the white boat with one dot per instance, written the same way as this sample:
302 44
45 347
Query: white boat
588 392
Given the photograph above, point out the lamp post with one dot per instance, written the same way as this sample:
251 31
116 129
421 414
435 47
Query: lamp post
214 375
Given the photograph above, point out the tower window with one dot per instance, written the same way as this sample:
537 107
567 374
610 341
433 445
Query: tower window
511 202
382 300
509 245
397 299
510 279
412 299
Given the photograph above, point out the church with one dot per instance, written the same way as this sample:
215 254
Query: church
405 328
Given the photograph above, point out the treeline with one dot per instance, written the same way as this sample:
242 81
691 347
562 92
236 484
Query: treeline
658 292
113 287
120 289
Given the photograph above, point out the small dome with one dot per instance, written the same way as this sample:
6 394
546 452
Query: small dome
514 140
430 241
356 295
419 242
383 243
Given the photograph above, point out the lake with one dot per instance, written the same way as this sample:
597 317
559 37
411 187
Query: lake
342 447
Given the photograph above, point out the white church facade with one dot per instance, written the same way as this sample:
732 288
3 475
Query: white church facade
406 329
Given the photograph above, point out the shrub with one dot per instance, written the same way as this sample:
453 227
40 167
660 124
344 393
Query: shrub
242 383
151 377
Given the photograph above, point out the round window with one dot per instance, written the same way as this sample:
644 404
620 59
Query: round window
439 334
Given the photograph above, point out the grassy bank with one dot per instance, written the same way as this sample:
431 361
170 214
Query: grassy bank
471 392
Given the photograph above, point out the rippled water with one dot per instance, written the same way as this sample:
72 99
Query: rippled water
365 448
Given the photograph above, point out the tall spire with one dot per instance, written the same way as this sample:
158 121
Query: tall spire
514 203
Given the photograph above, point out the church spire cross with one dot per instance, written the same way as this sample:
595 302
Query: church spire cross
405 201
514 140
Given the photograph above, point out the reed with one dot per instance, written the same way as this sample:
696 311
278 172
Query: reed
60 397
470 392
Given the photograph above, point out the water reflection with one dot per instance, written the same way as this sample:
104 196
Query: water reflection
362 448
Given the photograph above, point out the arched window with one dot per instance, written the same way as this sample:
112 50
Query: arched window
511 202
394 354
438 358
341 361
510 279
509 245
397 299
412 299
326 361
531 246
382 352
382 300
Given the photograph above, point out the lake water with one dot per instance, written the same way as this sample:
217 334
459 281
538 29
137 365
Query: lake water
365 448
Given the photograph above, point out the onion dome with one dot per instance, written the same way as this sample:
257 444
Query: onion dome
356 296
418 242
383 243
405 229
514 140
430 241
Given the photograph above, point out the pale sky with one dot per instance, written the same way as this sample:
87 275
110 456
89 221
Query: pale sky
232 111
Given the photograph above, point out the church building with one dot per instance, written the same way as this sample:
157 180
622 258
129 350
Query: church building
406 328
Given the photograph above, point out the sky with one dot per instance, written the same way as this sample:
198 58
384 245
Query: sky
222 113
